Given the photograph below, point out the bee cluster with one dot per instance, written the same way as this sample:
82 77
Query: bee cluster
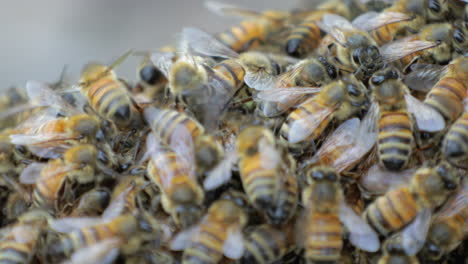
332 135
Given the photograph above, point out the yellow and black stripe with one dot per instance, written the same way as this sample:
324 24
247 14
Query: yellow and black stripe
305 37
455 144
392 211
265 244
208 247
324 240
447 97
16 252
395 139
47 187
247 35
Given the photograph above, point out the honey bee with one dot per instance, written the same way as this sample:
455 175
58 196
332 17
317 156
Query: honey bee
20 241
171 168
11 155
393 252
449 226
219 233
459 41
441 11
266 171
447 95
164 123
92 203
409 206
151 80
320 230
52 179
107 95
252 32
454 145
311 72
105 251
337 100
265 244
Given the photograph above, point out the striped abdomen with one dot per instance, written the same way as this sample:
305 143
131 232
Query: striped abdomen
13 251
284 206
246 35
324 239
395 139
231 72
305 112
455 144
110 98
259 182
386 33
165 122
392 211
447 97
207 248
47 187
264 245
305 37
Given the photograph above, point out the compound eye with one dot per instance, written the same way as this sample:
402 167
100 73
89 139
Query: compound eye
353 90
150 74
356 55
392 74
434 6
377 80
458 36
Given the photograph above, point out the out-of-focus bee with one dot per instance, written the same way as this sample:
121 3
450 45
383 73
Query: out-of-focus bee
266 171
320 231
219 233
109 96
252 32
13 106
311 72
92 203
448 93
265 244
19 241
336 101
442 11
165 123
53 179
393 252
105 251
460 38
171 168
410 206
455 143
356 51
449 227
441 53
11 155
151 80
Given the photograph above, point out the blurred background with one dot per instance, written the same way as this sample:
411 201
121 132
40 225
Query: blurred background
40 37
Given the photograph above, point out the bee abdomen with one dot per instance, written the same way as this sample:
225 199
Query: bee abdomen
447 97
392 211
207 249
259 185
264 245
12 252
455 143
304 37
239 36
231 72
324 239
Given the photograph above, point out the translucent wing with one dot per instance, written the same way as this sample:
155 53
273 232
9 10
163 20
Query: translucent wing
455 205
379 180
159 160
70 224
401 48
424 76
31 173
17 109
184 238
102 252
414 235
427 118
269 155
302 128
372 20
118 204
150 114
182 144
163 61
202 43
33 139
223 9
335 26
285 79
286 96
361 234
41 94
220 174
233 247
259 80
25 233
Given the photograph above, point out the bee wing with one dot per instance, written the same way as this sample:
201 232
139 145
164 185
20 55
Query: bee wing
17 109
33 139
427 118
31 173
25 233
286 96
220 174
161 162
41 94
379 180
284 79
182 144
233 247
259 80
163 61
401 48
118 204
202 43
361 234
372 20
70 224
269 155
301 128
49 152
222 9
335 26
184 238
455 205
414 235
424 76
102 252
